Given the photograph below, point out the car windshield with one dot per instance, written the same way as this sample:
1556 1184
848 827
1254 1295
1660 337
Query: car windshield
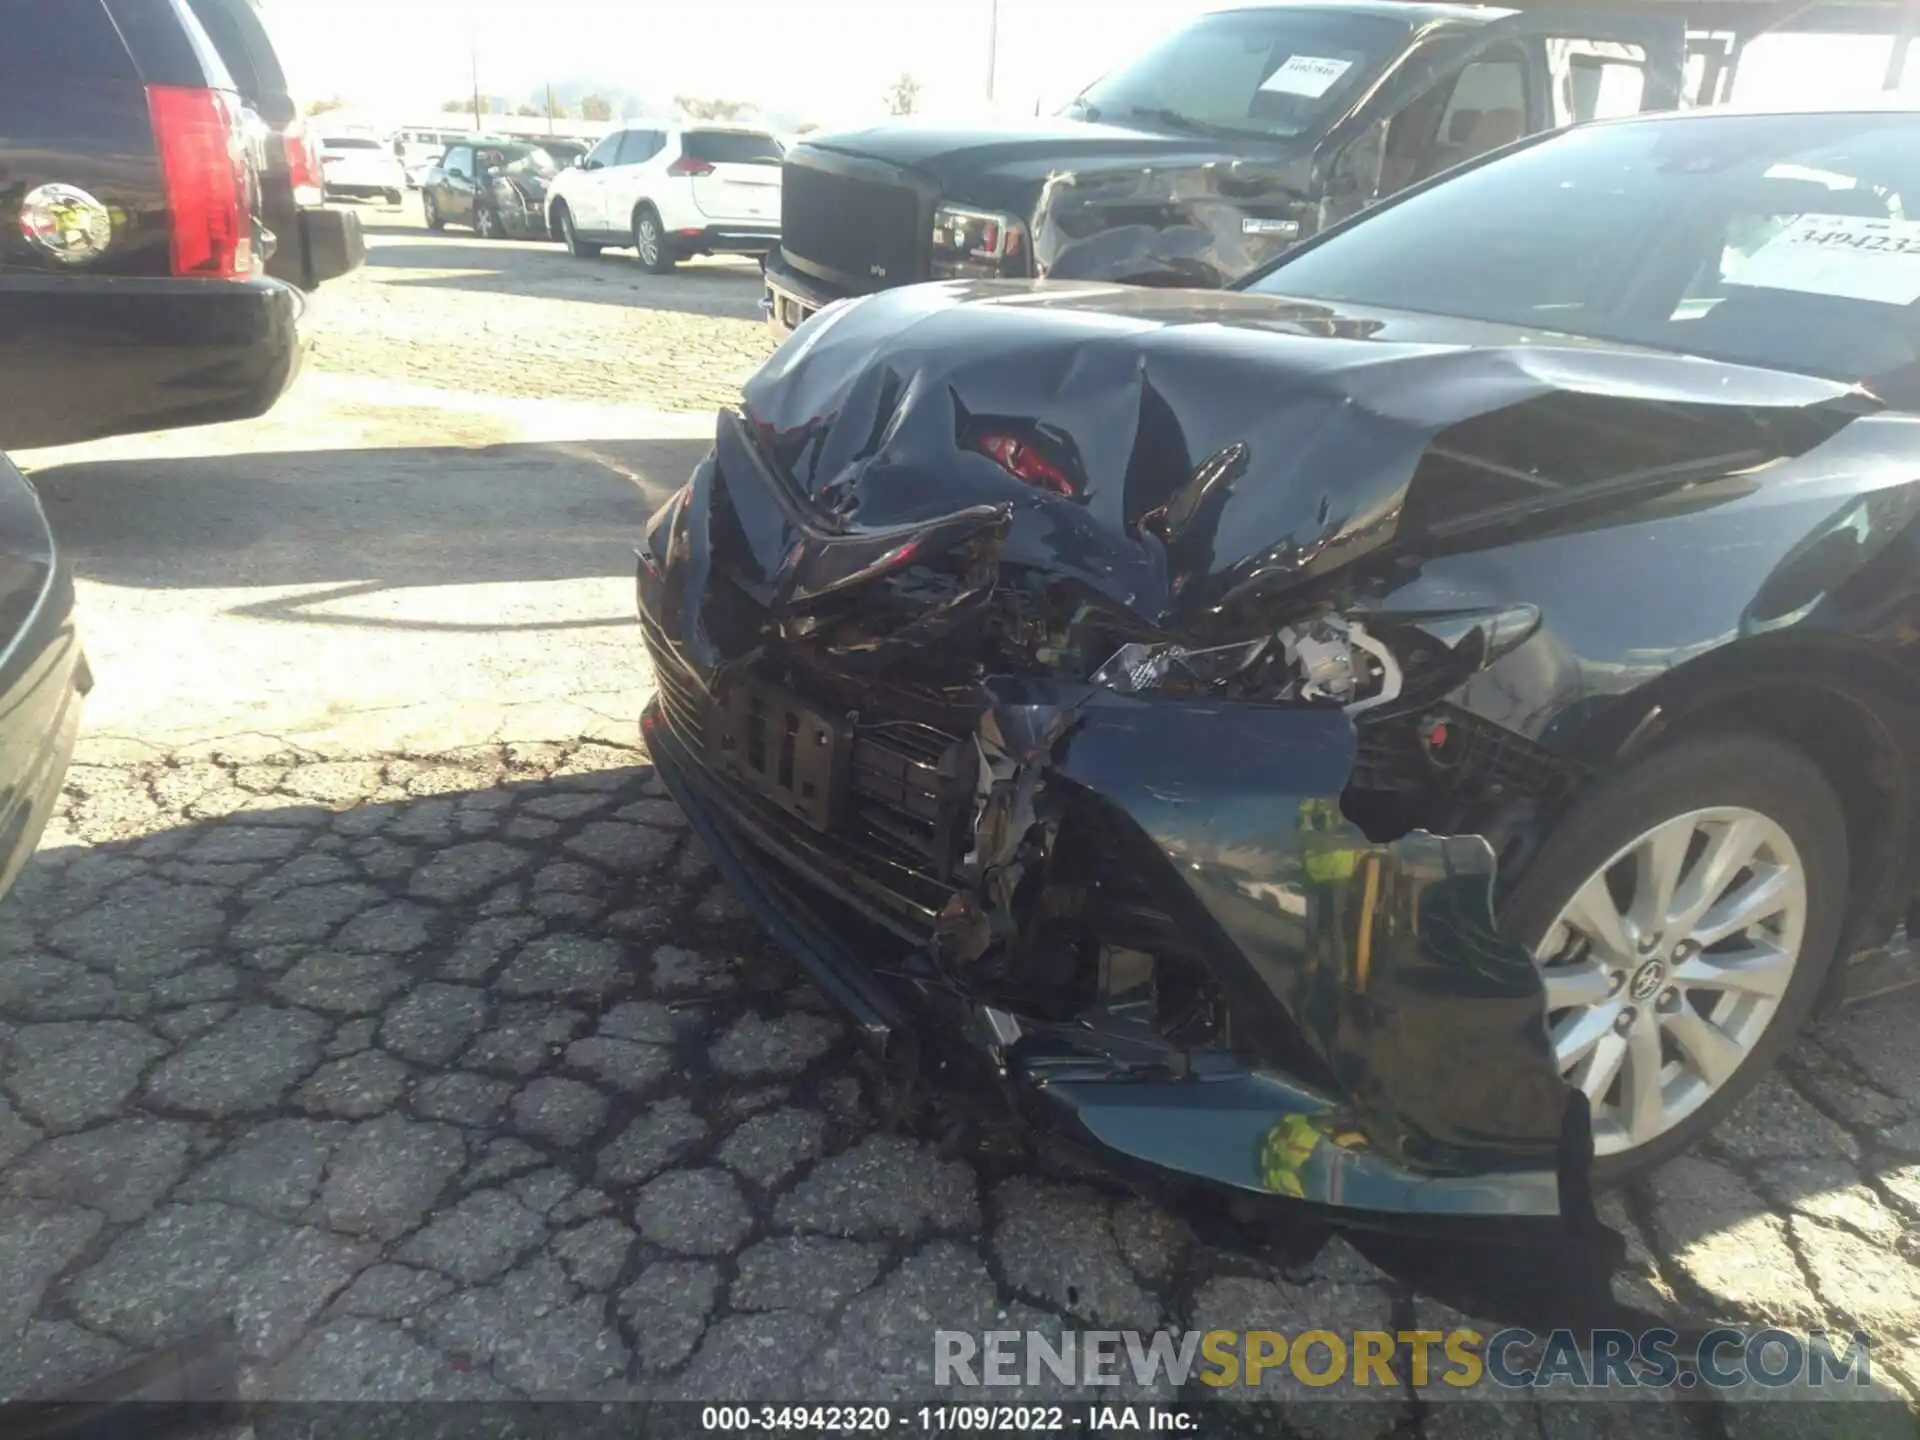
1279 71
349 142
517 160
1791 242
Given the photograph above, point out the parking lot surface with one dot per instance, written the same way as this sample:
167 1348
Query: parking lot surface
370 1007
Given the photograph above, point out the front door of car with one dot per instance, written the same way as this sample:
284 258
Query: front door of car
454 199
586 185
1454 98
627 181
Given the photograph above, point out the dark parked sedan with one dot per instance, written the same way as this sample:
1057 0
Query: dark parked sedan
1414 735
42 673
497 187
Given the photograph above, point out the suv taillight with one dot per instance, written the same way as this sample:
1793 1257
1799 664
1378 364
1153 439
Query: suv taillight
203 161
303 165
687 165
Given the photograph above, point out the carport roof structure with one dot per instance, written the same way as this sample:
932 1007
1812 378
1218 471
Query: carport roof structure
1720 30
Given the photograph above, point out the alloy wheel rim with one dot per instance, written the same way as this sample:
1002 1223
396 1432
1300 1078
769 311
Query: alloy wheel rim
486 224
649 242
1668 964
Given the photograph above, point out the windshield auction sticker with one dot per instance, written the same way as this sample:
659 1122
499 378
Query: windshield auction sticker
1849 256
1308 75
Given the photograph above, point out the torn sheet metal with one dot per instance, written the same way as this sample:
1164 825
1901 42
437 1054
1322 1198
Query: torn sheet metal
1378 965
1211 466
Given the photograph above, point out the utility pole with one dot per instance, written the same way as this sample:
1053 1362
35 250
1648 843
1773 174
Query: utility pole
993 45
474 52
549 107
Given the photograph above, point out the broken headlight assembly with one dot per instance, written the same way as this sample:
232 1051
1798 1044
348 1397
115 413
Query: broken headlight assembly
1330 660
977 245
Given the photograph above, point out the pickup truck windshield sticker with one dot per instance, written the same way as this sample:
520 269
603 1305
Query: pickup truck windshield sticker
1308 75
1850 256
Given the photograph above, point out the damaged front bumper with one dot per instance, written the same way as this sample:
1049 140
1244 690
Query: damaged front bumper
1147 915
1386 1053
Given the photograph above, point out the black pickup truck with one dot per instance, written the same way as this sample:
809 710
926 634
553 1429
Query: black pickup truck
149 198
1208 155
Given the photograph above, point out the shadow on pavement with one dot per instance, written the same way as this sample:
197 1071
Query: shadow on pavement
462 1077
364 519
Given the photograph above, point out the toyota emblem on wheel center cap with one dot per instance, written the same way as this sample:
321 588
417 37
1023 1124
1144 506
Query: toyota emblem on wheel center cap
1648 979
66 222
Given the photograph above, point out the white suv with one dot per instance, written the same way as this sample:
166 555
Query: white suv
670 192
362 166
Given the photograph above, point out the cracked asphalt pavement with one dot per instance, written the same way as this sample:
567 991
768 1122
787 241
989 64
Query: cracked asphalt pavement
445 1067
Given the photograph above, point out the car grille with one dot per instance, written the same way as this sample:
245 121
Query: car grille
909 795
868 231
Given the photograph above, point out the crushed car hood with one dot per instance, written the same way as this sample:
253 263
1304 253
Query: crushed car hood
1223 449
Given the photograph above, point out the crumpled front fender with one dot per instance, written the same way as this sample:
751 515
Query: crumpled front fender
1401 1060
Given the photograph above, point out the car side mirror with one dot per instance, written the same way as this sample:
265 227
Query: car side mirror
588 164
456 174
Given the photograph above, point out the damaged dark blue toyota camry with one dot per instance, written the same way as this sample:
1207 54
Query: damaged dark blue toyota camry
1412 734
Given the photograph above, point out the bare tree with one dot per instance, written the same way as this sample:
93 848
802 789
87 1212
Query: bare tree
903 97
595 107
696 108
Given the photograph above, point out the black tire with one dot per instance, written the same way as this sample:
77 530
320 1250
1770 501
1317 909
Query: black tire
395 198
650 242
486 224
1746 770
432 211
570 237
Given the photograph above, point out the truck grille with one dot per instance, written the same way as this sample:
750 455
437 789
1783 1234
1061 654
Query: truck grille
852 226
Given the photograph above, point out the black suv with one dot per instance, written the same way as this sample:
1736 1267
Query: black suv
1211 153
313 242
147 199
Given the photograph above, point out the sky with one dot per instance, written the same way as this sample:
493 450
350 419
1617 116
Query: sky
828 61
825 60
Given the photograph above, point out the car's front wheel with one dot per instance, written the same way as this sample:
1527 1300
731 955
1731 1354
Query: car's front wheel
394 197
1683 917
570 237
485 223
650 240
432 211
